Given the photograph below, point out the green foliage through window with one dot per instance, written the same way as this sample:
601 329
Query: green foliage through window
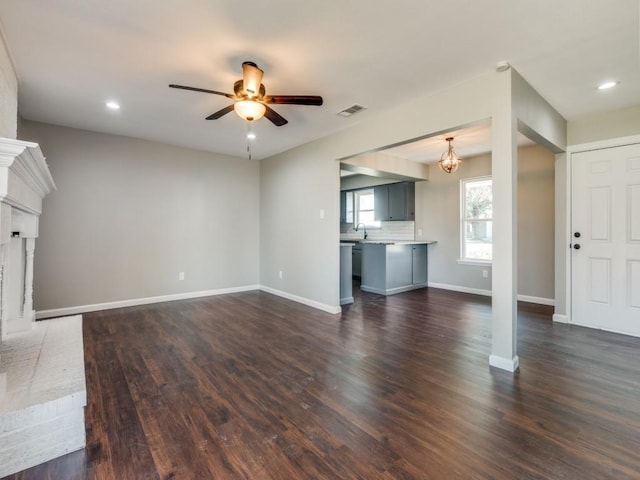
477 219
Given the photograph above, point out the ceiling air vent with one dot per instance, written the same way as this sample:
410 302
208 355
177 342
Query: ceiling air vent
347 112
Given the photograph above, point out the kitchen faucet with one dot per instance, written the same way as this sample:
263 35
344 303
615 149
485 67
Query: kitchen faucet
364 227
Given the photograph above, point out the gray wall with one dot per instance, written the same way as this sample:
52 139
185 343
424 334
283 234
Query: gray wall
604 125
294 240
318 185
597 127
296 184
130 214
438 216
8 93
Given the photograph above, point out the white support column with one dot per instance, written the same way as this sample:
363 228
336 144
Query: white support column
28 312
504 165
4 290
3 313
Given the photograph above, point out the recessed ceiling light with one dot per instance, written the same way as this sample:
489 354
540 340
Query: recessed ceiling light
251 136
607 85
113 105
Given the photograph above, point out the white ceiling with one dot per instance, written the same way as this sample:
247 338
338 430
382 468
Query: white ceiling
73 55
467 142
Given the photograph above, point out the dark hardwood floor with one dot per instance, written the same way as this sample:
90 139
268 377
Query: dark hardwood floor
253 386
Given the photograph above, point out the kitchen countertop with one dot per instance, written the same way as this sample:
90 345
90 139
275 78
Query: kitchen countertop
387 242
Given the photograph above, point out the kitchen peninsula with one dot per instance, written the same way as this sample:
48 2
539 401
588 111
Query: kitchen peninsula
390 267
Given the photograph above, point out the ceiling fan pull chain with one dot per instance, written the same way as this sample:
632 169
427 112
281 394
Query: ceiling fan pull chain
249 136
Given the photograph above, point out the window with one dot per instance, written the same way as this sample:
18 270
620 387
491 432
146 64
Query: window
476 219
365 205
360 208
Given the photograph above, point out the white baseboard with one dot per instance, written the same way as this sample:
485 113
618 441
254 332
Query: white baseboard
62 312
508 364
458 288
604 328
487 293
305 301
560 318
539 300
392 291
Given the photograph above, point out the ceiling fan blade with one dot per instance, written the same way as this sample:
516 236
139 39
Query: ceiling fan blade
220 113
294 99
274 117
204 90
252 79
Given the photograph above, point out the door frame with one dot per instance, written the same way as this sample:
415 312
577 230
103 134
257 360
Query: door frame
566 237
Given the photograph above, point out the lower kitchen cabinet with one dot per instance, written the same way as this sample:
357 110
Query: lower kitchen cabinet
346 292
356 262
393 268
419 264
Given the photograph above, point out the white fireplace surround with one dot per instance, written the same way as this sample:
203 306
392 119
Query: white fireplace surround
42 384
24 181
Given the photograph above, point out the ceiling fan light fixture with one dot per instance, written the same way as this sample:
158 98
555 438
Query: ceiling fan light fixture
450 160
249 110
250 99
252 79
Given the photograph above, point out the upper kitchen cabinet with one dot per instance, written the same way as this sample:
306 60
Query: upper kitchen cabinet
395 201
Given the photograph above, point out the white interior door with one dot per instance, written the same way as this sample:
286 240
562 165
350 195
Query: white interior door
605 220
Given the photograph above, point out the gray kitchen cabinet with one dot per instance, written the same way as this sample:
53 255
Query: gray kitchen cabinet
393 268
394 202
381 203
346 292
419 264
398 266
356 261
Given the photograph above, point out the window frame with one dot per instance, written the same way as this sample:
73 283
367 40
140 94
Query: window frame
464 259
356 208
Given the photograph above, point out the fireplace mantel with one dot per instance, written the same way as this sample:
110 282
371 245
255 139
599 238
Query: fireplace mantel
25 178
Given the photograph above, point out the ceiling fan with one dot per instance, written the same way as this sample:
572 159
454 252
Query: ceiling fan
250 99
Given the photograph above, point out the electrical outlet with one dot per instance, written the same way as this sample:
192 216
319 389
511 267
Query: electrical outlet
420 232
280 274
485 273
180 275
322 214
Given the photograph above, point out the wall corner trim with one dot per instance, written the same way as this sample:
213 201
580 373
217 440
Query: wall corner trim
61 312
305 301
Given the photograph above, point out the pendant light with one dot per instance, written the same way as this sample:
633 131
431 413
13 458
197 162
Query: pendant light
450 160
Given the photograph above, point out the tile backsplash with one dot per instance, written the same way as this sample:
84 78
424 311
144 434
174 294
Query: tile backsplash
389 231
